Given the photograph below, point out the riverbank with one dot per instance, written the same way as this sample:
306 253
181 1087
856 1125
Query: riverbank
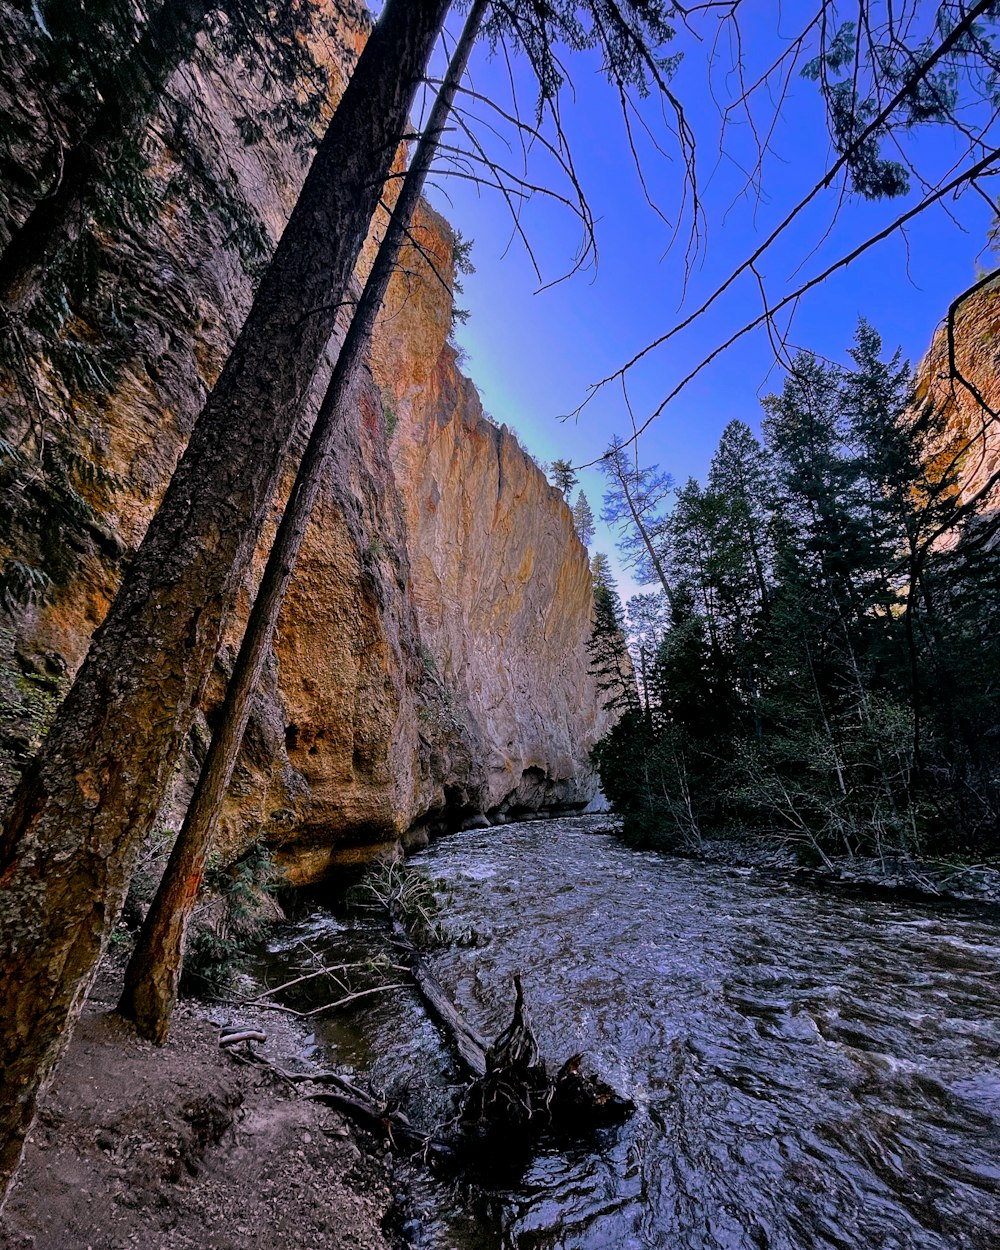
892 876
181 1147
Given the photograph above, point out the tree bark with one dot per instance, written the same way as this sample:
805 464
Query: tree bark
153 972
89 798
167 42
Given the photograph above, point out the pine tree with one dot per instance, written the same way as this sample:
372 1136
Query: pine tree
583 519
741 478
600 573
563 476
609 658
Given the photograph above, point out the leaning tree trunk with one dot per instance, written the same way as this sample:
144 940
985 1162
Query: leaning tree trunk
640 526
153 972
167 42
90 796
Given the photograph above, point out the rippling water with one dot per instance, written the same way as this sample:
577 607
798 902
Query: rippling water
811 1070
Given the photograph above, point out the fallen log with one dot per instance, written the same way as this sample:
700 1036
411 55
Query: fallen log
512 1094
470 1047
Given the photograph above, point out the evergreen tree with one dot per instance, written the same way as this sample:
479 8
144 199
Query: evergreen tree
740 477
609 658
692 535
741 482
826 675
600 572
583 519
563 476
633 504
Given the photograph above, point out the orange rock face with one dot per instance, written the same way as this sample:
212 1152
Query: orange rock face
961 373
430 666
500 582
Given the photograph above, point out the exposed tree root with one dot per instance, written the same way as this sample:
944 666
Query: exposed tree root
512 1096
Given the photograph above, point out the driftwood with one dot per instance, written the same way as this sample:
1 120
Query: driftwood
234 1037
512 1096
467 1043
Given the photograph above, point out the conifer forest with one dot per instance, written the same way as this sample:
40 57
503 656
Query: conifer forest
499 667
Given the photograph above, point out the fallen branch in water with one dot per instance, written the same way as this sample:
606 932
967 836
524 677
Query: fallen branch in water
325 970
467 1043
316 1011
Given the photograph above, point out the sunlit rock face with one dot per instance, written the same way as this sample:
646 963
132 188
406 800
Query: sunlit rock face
430 665
500 582
961 374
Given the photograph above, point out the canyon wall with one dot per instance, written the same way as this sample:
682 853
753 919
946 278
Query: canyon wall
430 666
961 374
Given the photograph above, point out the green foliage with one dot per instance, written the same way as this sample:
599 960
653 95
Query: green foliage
583 519
229 923
461 260
859 71
609 658
102 75
627 35
826 672
28 701
563 476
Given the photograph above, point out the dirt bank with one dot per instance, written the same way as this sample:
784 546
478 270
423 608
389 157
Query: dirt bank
180 1147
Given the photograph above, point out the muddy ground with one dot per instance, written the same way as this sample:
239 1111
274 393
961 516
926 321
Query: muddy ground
171 1148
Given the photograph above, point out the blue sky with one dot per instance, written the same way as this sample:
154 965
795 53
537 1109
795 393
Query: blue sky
534 355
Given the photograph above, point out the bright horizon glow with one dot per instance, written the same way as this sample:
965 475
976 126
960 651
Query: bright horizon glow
533 356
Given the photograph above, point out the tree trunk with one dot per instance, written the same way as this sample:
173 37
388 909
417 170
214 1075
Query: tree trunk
154 970
167 42
89 798
655 560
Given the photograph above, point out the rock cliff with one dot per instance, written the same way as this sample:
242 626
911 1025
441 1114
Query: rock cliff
961 374
430 667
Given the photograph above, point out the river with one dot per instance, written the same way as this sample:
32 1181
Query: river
811 1069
